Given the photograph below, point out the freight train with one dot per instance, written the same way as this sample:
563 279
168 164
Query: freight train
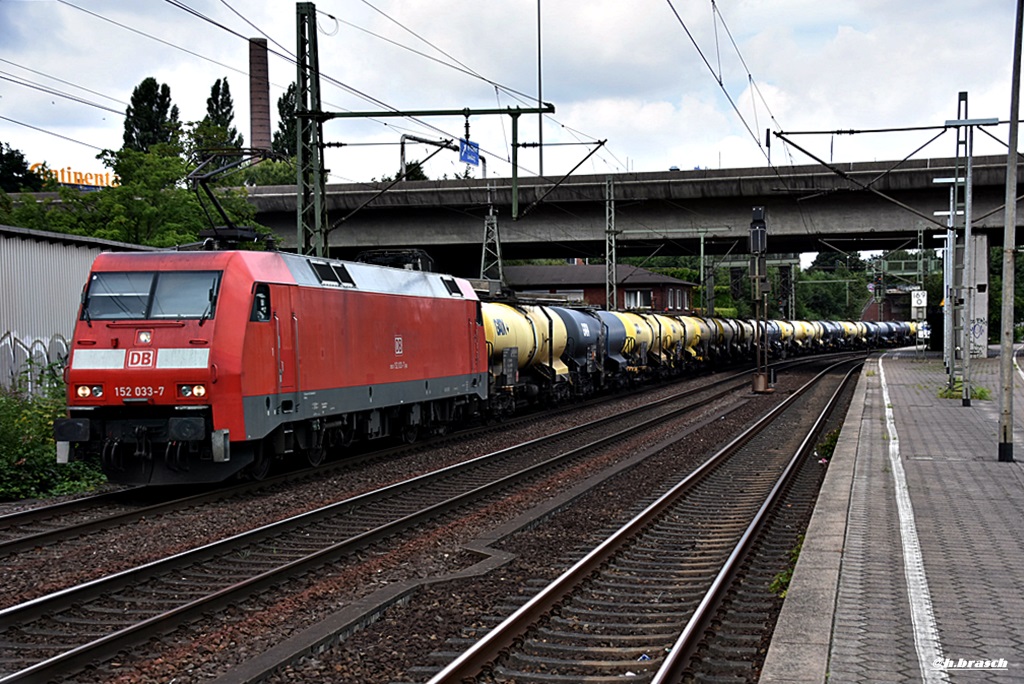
192 367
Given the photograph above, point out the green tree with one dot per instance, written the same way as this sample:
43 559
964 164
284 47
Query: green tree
220 111
285 140
995 294
832 260
216 132
151 206
15 175
151 118
270 172
413 172
830 295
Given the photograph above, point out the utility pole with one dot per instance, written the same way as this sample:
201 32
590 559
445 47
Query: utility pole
759 282
611 295
490 261
540 103
1009 253
963 288
310 175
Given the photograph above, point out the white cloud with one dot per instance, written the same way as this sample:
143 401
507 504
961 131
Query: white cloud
625 72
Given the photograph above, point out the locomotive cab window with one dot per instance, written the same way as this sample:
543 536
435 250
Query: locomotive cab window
152 295
260 303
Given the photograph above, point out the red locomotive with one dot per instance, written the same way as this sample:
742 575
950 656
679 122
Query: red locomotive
196 366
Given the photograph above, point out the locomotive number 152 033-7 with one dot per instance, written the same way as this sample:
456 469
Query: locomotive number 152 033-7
140 391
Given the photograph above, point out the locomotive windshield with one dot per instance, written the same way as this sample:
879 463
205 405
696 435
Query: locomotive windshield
140 295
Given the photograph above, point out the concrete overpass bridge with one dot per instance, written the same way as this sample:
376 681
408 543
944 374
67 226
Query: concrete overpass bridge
859 206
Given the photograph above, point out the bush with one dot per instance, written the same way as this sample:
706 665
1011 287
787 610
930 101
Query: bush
28 467
780 583
827 446
980 393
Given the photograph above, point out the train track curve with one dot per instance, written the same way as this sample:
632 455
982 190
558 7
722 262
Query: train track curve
637 605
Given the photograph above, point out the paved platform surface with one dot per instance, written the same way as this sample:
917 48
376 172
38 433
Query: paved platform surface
912 569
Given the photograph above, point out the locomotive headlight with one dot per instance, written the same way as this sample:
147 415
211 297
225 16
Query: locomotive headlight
192 391
87 391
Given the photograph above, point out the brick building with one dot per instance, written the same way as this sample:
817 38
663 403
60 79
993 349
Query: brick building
637 288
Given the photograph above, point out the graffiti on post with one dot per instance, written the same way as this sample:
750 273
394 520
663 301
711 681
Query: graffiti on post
979 327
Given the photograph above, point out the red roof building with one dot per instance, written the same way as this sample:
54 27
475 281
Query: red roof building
637 288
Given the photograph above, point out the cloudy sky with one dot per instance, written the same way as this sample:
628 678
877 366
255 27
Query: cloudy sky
642 74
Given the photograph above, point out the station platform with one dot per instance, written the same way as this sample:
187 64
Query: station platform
912 568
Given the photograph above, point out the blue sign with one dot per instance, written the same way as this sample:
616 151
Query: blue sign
469 152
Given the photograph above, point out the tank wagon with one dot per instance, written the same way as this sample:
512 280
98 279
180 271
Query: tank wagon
191 367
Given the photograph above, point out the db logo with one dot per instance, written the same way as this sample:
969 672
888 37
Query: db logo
141 358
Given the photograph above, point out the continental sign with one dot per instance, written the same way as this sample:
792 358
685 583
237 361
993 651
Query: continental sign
68 176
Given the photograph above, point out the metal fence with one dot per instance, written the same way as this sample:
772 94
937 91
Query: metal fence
41 280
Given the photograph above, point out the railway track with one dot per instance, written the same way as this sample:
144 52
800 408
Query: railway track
57 523
638 605
51 521
63 631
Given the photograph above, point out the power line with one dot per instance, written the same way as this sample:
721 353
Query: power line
454 64
60 80
739 54
56 135
718 79
258 29
50 91
152 37
462 67
424 40
289 57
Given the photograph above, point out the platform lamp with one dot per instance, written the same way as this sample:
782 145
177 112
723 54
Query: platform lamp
759 281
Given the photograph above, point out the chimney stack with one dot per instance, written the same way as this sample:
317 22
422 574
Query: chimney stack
259 94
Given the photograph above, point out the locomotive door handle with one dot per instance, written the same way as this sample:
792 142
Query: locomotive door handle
277 351
295 340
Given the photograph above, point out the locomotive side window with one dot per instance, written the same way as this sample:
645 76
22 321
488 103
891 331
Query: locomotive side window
343 275
331 274
324 272
152 294
453 287
260 303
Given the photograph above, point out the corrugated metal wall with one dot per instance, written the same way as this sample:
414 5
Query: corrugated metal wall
40 286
